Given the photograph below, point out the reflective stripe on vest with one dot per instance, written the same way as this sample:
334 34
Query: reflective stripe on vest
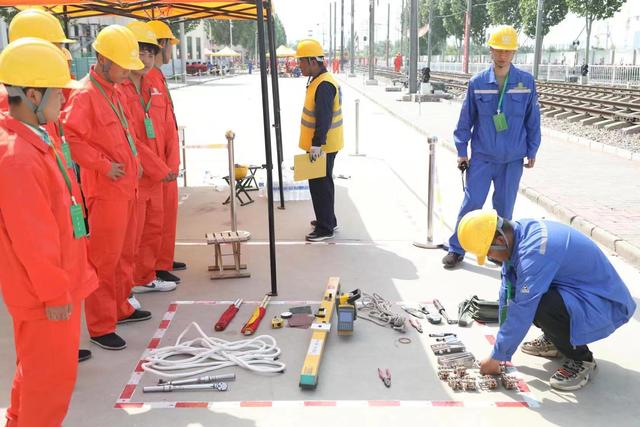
335 138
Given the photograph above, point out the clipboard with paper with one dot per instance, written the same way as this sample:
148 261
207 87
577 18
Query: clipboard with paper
304 168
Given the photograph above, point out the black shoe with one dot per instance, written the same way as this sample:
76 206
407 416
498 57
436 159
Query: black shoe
314 224
179 266
318 236
83 355
167 277
136 316
452 259
109 342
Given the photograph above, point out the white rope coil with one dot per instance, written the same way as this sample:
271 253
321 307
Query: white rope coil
379 311
206 354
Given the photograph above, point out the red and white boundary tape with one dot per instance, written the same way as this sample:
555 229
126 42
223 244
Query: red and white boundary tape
124 401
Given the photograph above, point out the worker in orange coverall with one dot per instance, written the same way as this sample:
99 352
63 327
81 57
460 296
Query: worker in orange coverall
97 127
166 262
45 272
152 120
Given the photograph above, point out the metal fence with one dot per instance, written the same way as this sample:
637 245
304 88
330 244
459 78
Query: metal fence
628 75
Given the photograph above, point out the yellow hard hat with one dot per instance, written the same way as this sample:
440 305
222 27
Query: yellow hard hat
163 31
37 23
476 231
241 171
67 54
119 44
33 62
504 37
309 48
143 32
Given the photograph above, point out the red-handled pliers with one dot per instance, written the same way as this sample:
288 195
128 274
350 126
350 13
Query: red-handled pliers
385 376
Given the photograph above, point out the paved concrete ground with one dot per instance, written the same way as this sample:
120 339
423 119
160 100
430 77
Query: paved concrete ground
381 210
596 191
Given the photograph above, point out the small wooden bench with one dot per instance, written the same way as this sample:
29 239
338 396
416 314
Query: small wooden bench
219 269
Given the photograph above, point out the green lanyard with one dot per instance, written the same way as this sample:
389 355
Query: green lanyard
75 210
148 123
119 114
146 107
504 89
509 296
66 150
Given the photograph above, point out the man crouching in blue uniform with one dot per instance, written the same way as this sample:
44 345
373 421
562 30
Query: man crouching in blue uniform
501 117
555 278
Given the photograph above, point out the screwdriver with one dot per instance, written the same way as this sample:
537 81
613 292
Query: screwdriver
443 312
228 315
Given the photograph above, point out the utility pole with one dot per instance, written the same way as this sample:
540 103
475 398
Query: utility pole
429 34
388 29
538 52
372 46
330 32
402 29
183 52
342 36
467 30
230 33
352 56
335 30
413 55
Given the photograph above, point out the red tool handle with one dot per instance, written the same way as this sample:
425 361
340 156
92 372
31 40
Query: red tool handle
226 318
252 325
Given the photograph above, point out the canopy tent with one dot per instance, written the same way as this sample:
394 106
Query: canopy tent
284 52
226 52
187 10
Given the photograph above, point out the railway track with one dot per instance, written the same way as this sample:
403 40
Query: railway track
610 108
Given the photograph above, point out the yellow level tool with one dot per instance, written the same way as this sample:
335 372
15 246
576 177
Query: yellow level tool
321 328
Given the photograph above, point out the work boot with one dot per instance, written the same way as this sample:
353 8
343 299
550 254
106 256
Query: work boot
165 276
110 341
573 375
540 346
452 259
83 355
157 285
179 266
314 224
136 316
318 236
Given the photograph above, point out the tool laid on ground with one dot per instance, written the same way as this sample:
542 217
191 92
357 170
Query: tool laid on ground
252 324
465 359
413 311
303 309
200 380
321 329
192 387
379 312
443 312
228 315
442 334
347 313
449 347
434 319
385 376
416 325
286 315
277 322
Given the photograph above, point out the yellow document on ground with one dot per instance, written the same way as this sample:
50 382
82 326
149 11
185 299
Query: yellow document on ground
303 168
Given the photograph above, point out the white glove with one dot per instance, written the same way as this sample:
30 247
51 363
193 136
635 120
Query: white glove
315 153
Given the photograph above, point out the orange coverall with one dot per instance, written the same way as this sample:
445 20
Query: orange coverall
43 265
97 138
152 156
170 189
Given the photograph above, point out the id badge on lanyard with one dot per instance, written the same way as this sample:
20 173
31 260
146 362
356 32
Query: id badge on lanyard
499 119
148 127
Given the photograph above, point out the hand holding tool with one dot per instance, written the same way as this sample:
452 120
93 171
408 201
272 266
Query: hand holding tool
228 315
443 312
385 376
252 324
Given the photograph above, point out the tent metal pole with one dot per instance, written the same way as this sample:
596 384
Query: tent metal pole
275 88
267 143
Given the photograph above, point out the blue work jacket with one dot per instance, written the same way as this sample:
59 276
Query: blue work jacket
549 254
521 108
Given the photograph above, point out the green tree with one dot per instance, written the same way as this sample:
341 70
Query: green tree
244 33
438 33
7 13
505 12
453 13
594 10
188 26
554 12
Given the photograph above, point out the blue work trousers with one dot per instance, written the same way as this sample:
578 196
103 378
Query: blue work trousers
506 179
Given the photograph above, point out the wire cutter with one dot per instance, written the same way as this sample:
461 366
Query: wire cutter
385 376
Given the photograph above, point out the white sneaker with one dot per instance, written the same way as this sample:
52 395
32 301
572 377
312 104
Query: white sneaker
134 303
156 285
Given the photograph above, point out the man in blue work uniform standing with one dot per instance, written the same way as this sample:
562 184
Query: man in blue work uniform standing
501 117
321 133
556 278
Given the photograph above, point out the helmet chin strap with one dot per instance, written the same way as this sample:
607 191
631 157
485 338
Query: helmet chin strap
105 69
37 109
504 247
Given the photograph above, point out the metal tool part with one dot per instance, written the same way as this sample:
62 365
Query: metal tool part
416 325
442 334
443 312
385 376
191 387
277 322
413 311
434 319
200 380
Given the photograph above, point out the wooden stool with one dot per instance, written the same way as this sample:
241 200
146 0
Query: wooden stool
233 238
